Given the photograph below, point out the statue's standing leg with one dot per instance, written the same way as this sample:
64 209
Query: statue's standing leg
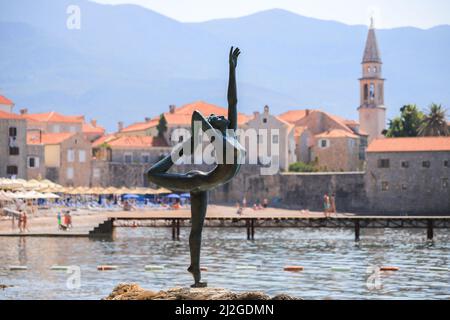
199 203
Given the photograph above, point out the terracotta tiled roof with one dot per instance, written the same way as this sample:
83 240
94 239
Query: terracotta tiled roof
140 126
53 117
418 144
36 137
183 114
89 128
293 115
9 115
133 142
336 133
103 139
5 100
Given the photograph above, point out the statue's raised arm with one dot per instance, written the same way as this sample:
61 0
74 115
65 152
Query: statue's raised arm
232 91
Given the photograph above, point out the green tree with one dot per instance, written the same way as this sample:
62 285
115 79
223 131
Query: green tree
302 167
162 126
434 122
407 124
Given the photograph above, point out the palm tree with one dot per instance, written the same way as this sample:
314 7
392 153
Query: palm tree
435 122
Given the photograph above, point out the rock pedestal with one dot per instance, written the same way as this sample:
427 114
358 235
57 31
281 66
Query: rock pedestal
135 292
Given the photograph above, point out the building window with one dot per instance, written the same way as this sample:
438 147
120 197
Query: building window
383 163
56 128
96 173
12 170
275 138
70 155
128 158
405 164
404 186
180 139
264 120
444 183
446 163
13 151
13 132
72 129
82 155
70 173
384 186
426 164
372 91
324 143
33 162
260 138
145 158
366 92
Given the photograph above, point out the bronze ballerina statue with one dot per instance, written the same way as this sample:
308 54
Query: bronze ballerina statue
197 183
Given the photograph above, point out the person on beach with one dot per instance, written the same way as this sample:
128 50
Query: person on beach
239 208
58 216
20 222
24 221
333 203
265 203
326 205
244 202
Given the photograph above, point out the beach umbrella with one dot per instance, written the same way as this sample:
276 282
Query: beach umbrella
173 196
50 196
110 190
4 197
185 195
162 191
131 196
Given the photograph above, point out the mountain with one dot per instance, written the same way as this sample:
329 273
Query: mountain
127 62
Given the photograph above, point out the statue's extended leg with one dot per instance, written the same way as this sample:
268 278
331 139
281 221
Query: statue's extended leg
199 203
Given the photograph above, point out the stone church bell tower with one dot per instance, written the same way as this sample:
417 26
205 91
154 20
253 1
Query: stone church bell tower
372 112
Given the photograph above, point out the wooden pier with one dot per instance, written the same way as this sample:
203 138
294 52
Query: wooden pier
252 220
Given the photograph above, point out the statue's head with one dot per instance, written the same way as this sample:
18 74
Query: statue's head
218 122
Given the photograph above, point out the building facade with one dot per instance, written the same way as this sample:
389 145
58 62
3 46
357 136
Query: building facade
13 154
64 158
329 142
270 132
409 175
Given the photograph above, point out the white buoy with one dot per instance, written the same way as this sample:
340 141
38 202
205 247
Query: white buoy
152 267
342 269
18 268
246 267
59 268
438 269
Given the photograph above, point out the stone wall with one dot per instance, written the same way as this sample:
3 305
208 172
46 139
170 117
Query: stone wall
428 191
295 190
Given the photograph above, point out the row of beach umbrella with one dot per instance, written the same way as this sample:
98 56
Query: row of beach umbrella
46 189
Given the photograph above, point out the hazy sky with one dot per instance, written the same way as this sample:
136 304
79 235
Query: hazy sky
387 13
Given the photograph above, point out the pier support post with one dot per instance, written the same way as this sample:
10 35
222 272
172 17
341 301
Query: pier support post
430 229
247 225
178 229
357 230
252 226
173 229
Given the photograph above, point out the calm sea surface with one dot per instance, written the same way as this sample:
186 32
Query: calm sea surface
225 251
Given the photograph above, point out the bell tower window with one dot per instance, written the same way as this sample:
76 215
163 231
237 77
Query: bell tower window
366 92
372 91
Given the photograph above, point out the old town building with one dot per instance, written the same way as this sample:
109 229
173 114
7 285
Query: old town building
13 151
